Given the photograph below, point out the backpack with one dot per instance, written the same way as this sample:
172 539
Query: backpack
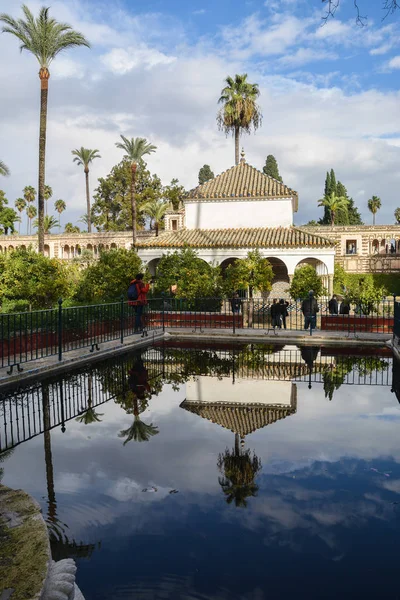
133 292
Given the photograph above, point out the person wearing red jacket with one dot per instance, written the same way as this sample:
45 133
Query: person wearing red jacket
139 304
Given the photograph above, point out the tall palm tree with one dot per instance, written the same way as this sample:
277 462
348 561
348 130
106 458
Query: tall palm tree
90 415
29 193
45 38
20 205
334 204
48 192
239 112
135 149
374 204
49 223
155 209
60 206
239 469
4 170
31 211
84 157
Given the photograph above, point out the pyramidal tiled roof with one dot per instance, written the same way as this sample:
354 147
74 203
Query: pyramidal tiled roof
242 181
239 418
259 237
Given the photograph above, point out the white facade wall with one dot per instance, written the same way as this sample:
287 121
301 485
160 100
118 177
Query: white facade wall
245 391
237 213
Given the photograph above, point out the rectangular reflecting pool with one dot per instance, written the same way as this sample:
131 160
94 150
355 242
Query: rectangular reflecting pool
244 472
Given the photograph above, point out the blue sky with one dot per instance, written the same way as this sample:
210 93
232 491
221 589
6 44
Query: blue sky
329 94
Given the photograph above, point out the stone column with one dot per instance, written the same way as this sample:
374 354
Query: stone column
330 285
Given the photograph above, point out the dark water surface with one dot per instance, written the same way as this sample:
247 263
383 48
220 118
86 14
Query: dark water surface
216 473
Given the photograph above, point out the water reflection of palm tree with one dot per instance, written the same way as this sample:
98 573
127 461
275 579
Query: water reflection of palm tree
138 431
90 415
3 456
239 468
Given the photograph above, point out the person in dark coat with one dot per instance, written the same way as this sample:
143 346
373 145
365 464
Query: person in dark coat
284 311
344 308
276 314
333 306
309 308
236 303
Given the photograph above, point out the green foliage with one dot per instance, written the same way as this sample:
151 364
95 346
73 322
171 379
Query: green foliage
112 207
239 110
271 167
70 228
49 223
339 279
174 193
349 217
350 283
4 170
367 295
253 272
397 215
205 174
374 204
192 276
335 204
108 277
33 278
305 278
155 210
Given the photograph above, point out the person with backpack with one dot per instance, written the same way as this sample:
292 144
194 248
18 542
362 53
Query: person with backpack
137 297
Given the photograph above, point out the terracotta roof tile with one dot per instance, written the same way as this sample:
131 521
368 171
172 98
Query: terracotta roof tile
242 181
261 237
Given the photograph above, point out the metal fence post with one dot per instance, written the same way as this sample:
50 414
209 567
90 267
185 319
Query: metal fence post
122 318
163 310
60 329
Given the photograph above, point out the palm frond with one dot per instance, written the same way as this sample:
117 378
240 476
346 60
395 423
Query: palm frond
135 148
4 170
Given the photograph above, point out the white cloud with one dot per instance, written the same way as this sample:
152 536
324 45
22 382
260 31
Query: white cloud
394 63
380 50
120 61
201 11
303 56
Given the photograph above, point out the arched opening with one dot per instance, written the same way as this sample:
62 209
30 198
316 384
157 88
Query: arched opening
281 280
89 247
375 247
318 265
23 247
47 250
66 251
1 249
152 266
78 250
384 246
10 248
113 246
392 246
228 261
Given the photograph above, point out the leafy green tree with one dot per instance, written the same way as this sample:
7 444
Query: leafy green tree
60 206
70 228
339 279
155 210
397 215
8 217
352 217
334 204
112 209
367 295
271 167
45 38
4 170
48 192
20 205
84 157
174 193
109 276
305 278
240 111
330 187
374 204
35 278
239 469
312 223
192 276
253 273
134 149
49 223
31 212
205 174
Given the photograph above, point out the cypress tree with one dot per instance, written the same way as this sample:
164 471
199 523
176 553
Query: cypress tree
333 184
205 174
271 167
327 184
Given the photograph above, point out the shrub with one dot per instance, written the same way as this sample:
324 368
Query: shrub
305 278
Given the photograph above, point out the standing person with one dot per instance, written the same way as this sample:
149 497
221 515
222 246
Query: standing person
333 305
236 303
345 307
137 296
275 314
284 311
309 308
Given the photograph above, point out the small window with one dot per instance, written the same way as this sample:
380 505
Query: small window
174 224
351 247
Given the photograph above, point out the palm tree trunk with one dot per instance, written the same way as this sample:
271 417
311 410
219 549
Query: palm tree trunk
156 228
44 85
237 446
133 203
237 138
89 224
51 496
373 218
332 217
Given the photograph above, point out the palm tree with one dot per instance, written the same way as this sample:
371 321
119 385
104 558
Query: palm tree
84 157
45 38
31 211
138 431
4 170
20 205
29 193
49 223
397 215
155 209
239 112
60 206
69 228
334 204
90 415
135 149
374 205
48 192
239 469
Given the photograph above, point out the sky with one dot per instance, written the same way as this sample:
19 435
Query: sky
329 95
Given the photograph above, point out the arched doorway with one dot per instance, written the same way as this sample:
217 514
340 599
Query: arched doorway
281 280
47 250
374 247
152 266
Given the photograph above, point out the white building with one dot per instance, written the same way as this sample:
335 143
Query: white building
240 210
